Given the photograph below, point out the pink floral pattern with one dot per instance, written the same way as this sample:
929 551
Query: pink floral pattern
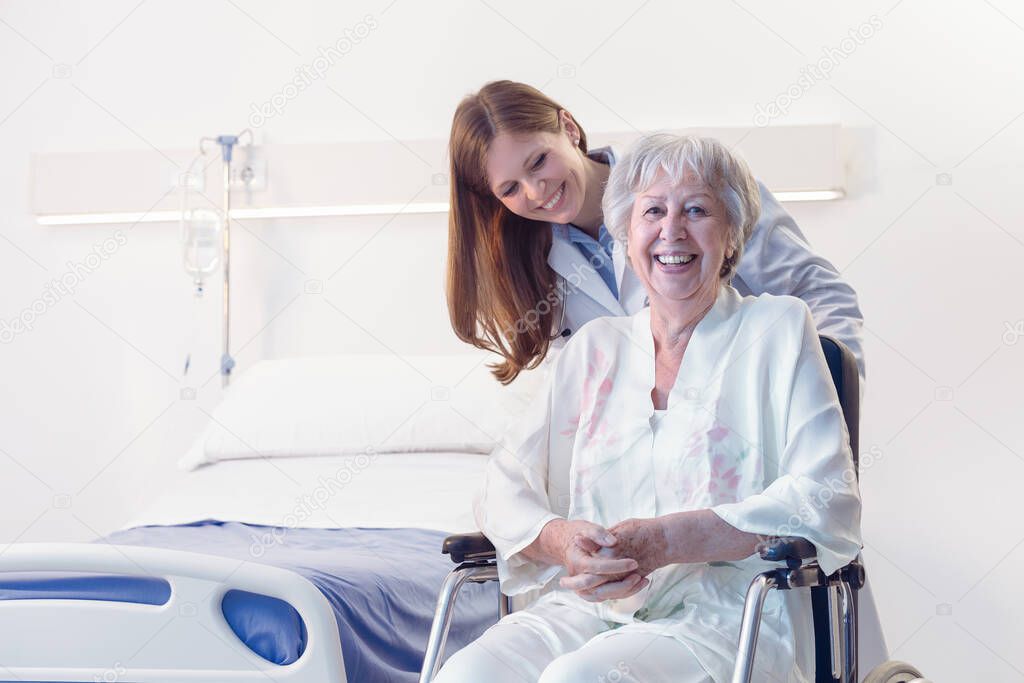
724 480
709 472
597 387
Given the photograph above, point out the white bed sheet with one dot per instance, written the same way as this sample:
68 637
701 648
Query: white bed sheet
423 490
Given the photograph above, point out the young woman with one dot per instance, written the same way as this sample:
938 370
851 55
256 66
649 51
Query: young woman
529 259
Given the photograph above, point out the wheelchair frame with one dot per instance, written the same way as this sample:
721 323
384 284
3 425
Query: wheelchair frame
833 597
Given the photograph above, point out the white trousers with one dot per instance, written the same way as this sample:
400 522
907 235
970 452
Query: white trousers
548 643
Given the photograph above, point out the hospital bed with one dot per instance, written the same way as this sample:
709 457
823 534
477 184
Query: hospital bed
833 597
299 545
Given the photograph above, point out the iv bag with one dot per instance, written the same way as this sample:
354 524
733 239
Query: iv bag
201 239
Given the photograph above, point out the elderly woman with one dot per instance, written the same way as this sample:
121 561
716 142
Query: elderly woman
666 447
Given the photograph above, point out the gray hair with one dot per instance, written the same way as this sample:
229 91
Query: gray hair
724 172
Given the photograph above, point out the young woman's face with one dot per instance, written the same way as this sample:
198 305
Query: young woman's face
540 175
678 239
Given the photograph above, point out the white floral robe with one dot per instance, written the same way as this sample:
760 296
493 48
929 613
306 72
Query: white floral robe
753 430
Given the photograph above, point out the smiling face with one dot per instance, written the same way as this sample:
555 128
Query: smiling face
540 176
679 235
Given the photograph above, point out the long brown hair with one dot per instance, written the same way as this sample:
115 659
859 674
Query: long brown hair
501 291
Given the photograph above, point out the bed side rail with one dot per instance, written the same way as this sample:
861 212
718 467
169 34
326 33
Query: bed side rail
183 640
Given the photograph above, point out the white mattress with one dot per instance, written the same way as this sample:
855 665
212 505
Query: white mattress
424 490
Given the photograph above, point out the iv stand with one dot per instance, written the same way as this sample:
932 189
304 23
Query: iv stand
227 143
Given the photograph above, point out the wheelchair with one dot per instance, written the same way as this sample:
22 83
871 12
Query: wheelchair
833 597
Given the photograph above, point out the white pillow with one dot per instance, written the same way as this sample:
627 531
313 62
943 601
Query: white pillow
344 405
389 490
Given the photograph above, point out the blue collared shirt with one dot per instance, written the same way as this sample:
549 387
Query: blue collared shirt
598 253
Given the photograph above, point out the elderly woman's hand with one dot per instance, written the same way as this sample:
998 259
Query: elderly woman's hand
613 578
586 551
581 544
598 588
642 540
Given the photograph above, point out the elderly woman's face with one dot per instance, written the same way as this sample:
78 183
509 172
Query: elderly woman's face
678 239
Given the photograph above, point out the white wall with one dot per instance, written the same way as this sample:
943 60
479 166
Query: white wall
90 416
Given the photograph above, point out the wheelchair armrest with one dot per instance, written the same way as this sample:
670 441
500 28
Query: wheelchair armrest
790 549
468 548
476 547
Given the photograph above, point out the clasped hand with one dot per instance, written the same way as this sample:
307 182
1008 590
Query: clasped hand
606 564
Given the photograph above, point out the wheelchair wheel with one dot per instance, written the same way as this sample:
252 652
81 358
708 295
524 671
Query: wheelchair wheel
894 672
